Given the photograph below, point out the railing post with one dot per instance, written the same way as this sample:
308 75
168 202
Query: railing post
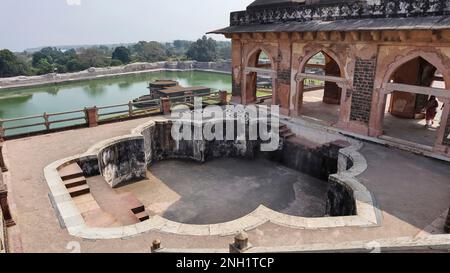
46 123
447 223
223 97
5 207
165 106
130 108
3 167
240 244
92 116
188 96
156 245
2 131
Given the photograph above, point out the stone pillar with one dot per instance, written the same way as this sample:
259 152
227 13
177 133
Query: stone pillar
442 145
5 207
237 70
165 106
240 244
92 116
447 223
223 97
156 245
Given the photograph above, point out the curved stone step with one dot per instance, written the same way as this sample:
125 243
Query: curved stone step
142 216
79 190
75 182
70 171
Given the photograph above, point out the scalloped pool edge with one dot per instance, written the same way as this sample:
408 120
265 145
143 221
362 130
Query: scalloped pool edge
367 213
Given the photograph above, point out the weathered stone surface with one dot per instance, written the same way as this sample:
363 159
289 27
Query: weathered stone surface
89 165
318 162
340 201
123 162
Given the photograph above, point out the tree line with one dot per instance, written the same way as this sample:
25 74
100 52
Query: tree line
54 60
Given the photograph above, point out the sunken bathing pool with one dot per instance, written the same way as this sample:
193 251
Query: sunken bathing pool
150 181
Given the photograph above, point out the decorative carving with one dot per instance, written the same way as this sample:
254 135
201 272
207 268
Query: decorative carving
343 10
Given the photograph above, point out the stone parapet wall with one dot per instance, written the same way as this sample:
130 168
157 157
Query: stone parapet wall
92 73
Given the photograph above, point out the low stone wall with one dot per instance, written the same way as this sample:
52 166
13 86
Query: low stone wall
340 199
122 162
89 165
92 73
320 162
159 145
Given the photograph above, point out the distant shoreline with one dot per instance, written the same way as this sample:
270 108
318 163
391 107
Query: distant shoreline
13 83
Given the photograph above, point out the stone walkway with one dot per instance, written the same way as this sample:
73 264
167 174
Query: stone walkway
412 192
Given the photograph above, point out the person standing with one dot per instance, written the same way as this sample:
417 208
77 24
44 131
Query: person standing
431 110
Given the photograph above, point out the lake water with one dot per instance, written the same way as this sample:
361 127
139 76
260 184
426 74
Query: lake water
98 92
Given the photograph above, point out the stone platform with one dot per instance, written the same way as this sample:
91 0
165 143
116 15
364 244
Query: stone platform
411 191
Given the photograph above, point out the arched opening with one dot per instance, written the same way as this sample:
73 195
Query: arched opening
320 97
414 102
260 82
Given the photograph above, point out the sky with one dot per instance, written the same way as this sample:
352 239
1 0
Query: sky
35 23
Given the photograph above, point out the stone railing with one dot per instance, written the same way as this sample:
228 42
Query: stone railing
343 10
95 73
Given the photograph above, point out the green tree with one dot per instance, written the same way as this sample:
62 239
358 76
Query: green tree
38 56
93 57
181 44
44 67
11 65
122 54
74 65
149 51
204 50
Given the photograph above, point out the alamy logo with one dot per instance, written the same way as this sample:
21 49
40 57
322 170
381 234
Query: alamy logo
230 123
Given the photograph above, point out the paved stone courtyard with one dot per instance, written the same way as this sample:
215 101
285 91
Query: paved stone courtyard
411 191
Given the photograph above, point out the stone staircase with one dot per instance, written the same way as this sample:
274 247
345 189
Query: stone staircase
74 180
137 208
285 132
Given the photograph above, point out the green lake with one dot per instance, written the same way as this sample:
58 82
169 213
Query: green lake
98 92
